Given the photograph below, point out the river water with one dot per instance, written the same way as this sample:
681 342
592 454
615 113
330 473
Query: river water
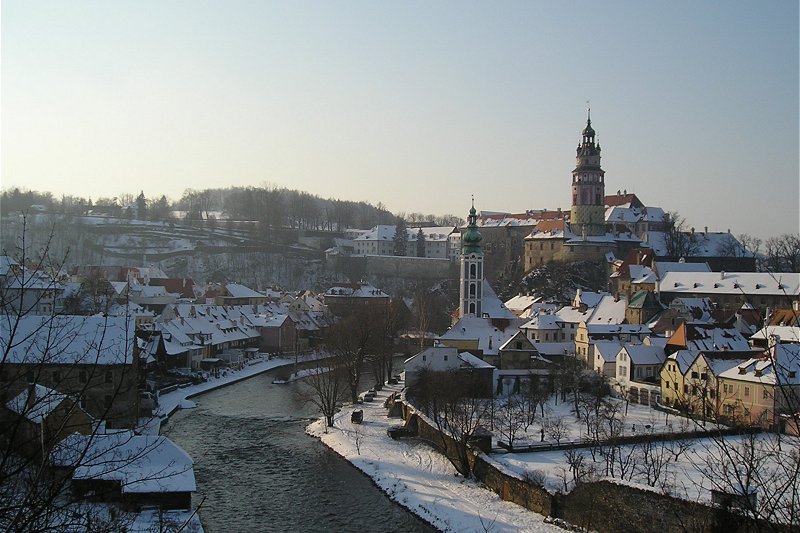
257 470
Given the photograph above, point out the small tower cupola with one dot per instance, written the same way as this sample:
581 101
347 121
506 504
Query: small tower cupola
471 238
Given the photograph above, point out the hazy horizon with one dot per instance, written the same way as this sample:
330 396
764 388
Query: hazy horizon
414 105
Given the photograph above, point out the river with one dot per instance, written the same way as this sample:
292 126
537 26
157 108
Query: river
257 470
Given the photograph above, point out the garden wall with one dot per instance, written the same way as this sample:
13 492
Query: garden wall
602 506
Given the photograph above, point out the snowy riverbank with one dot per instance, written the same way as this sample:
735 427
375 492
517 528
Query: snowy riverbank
180 398
417 477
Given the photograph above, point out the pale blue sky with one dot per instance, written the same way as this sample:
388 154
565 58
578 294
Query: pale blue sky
414 104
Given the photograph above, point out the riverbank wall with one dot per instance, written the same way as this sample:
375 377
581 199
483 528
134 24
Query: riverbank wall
603 506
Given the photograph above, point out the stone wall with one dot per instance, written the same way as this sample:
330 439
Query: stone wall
602 506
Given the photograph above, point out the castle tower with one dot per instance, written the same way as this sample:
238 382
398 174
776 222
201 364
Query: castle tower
587 216
471 286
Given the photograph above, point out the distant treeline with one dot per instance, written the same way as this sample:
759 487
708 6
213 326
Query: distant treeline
270 205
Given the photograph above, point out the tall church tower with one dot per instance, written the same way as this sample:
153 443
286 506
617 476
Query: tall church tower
587 216
471 287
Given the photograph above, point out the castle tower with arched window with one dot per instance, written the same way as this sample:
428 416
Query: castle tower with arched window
587 216
471 288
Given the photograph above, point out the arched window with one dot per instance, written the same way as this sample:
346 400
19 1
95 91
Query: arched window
472 270
472 289
472 308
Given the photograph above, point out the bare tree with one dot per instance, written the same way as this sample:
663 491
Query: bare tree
350 339
782 254
509 419
678 242
62 377
454 403
327 386
556 428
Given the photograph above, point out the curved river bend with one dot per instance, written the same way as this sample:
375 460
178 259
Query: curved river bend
259 471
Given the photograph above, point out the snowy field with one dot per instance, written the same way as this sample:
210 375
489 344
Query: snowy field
634 419
421 479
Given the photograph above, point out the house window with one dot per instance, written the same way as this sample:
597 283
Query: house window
704 376
445 357
519 345
712 393
424 357
765 394
694 375
747 391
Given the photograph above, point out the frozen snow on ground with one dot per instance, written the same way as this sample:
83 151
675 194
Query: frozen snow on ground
635 418
421 479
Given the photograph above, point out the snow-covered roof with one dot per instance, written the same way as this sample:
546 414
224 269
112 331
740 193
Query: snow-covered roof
608 350
544 321
784 333
704 244
472 361
609 310
617 329
694 309
641 274
705 338
241 291
720 365
642 354
732 283
684 359
626 214
489 338
555 348
521 302
784 357
68 339
386 232
662 267
6 263
492 305
141 463
36 409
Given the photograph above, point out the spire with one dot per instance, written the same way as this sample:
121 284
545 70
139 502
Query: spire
471 238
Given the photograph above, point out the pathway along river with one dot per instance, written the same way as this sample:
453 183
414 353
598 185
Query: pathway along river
259 471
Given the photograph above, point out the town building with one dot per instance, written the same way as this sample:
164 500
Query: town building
92 359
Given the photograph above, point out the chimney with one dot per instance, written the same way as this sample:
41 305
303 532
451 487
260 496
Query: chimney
722 275
705 230
692 230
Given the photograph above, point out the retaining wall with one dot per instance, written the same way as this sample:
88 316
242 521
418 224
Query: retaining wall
602 506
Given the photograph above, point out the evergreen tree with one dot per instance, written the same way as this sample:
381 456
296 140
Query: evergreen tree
420 243
400 237
141 206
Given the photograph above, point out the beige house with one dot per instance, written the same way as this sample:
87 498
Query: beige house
696 389
761 389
